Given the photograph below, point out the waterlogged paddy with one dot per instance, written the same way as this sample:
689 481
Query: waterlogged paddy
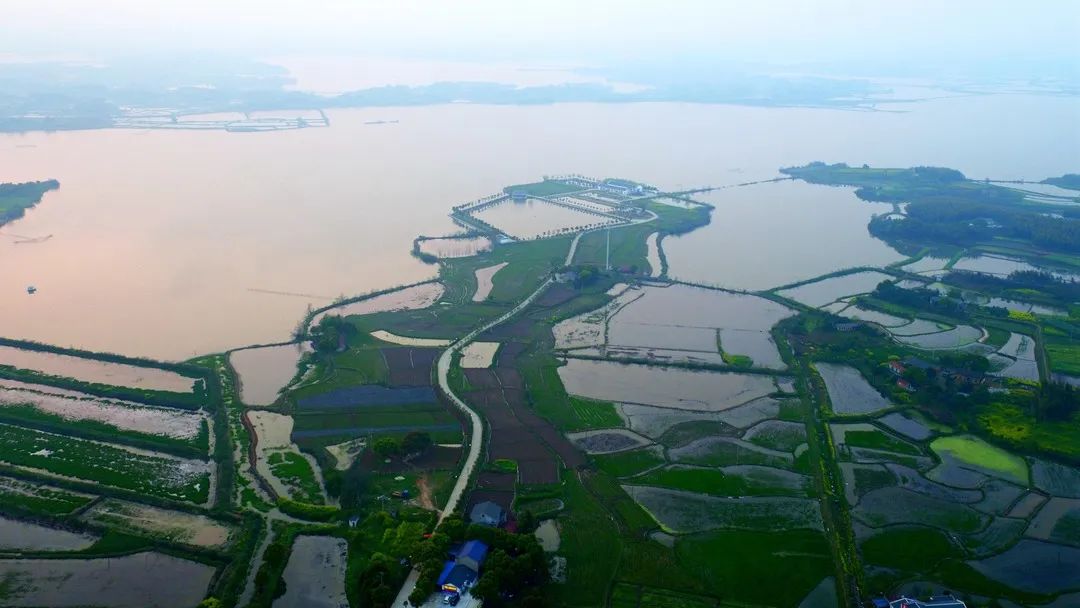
849 392
91 370
196 280
820 293
537 218
663 387
124 415
141 580
479 355
1000 266
653 254
18 535
455 248
265 371
315 574
484 281
791 231
679 321
175 526
410 298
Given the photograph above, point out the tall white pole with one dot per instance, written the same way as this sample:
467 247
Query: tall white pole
607 255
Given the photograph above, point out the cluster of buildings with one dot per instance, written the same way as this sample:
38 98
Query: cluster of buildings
463 566
935 601
960 376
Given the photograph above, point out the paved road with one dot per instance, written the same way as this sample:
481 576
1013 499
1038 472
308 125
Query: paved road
476 432
477 425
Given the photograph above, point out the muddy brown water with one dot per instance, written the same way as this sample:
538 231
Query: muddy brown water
265 371
90 370
302 216
141 580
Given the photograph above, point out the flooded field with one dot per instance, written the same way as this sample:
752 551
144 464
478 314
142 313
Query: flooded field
41 497
797 214
90 370
410 298
84 279
455 248
16 535
315 574
484 278
479 355
849 392
263 372
926 264
124 415
653 254
142 580
537 218
955 338
820 293
682 512
174 526
662 387
130 468
682 318
386 336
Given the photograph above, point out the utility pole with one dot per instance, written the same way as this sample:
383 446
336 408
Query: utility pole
607 255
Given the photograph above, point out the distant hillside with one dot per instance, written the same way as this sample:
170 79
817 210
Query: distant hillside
1069 180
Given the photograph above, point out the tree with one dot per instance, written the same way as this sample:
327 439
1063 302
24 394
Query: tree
386 447
416 444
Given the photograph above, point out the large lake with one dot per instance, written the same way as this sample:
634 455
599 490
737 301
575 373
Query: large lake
171 244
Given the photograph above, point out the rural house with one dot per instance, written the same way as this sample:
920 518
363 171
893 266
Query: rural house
487 513
462 571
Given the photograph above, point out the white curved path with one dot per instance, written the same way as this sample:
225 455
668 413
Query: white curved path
476 424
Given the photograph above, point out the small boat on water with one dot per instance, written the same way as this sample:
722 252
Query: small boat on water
31 290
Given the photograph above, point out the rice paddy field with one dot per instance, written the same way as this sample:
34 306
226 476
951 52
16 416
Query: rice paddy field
96 371
931 504
128 468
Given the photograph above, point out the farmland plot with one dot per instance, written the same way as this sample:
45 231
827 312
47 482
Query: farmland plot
315 574
849 392
123 415
18 535
174 526
122 467
673 388
683 512
38 498
410 298
116 582
263 372
820 293
95 371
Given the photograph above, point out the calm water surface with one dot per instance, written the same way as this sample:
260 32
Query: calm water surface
171 244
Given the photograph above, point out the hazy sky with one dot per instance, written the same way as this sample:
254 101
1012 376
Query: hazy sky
593 32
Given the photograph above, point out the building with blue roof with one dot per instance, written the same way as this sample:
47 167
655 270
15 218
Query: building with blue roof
472 554
462 571
940 601
456 577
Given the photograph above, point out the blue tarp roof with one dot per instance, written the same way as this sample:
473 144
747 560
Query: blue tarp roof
475 550
447 567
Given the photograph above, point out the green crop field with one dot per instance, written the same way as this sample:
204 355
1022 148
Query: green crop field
770 569
624 464
879 440
910 549
26 497
103 463
295 471
983 456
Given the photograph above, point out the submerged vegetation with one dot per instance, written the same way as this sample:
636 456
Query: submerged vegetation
15 199
668 444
